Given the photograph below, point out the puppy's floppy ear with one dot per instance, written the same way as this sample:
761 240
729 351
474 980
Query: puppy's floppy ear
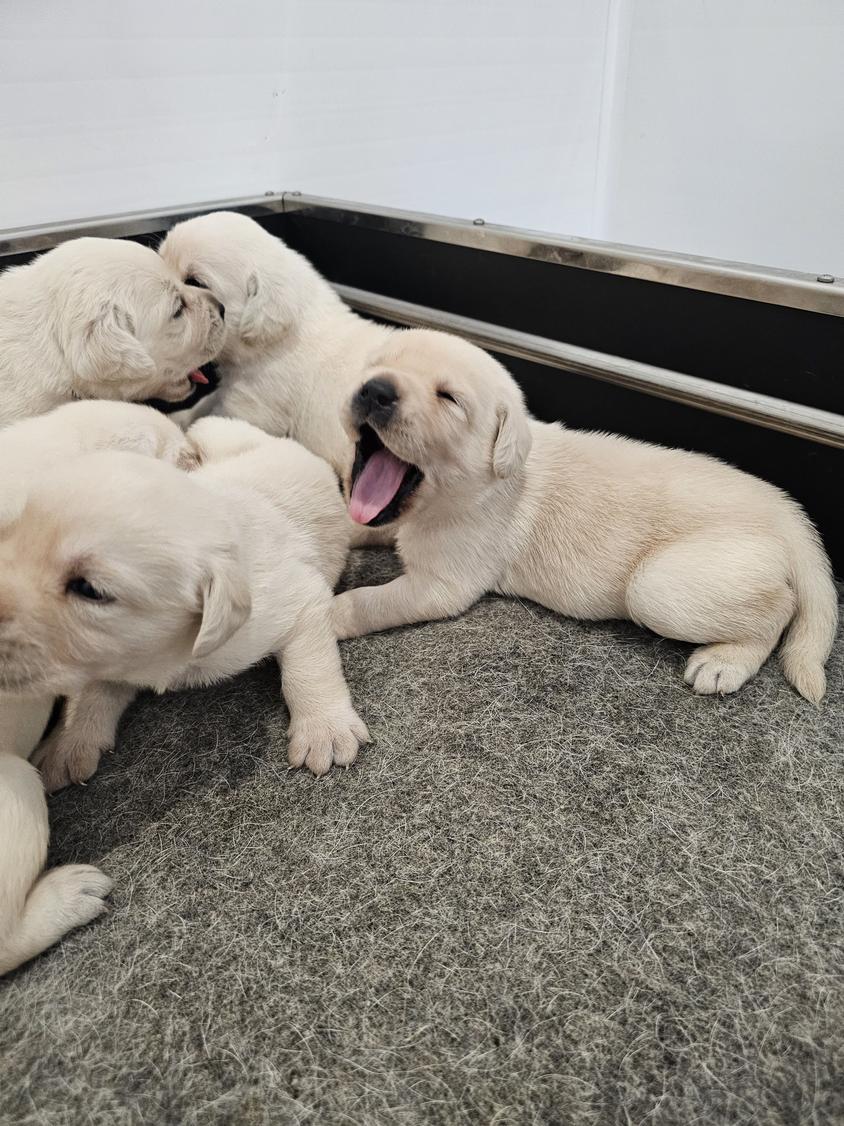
226 602
261 319
104 350
512 440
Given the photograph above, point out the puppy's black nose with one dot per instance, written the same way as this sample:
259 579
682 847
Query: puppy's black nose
376 399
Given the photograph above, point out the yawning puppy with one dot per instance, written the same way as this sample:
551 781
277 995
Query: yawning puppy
591 525
294 352
100 319
128 573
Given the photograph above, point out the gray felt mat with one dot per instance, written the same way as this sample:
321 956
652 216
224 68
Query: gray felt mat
559 888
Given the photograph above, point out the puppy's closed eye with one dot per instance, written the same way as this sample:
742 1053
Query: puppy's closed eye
192 279
81 588
443 394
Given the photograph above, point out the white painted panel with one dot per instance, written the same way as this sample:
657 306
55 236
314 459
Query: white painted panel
469 109
727 130
466 109
109 106
708 126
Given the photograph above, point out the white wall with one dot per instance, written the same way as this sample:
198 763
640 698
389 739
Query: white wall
711 126
727 130
115 105
441 105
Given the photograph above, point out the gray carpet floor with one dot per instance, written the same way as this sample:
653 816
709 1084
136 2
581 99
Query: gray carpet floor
557 889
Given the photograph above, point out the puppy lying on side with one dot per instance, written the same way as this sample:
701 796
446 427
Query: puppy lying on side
48 440
293 352
136 575
590 525
35 909
100 319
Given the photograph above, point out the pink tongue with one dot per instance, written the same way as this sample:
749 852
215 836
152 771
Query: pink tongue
376 486
197 377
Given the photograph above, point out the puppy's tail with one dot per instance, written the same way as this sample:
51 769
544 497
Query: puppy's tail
812 631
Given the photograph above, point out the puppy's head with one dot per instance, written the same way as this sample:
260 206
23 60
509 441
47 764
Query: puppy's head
432 412
120 568
262 283
128 327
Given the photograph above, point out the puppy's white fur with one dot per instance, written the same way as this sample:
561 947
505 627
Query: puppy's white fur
45 443
591 525
203 574
36 910
293 351
100 319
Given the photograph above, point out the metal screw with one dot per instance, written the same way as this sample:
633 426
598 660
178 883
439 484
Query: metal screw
294 193
827 279
479 222
269 193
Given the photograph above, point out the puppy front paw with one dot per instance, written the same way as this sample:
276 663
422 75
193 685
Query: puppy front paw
76 893
65 761
188 458
319 742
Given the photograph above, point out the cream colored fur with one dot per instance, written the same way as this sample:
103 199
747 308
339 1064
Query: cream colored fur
293 351
204 574
591 525
35 909
94 319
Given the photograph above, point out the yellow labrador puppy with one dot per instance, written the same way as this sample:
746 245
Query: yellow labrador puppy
293 352
591 525
49 440
131 574
100 319
37 909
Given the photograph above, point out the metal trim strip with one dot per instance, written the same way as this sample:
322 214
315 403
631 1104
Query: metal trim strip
733 279
704 394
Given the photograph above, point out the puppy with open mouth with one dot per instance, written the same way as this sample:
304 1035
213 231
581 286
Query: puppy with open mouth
594 526
293 352
101 319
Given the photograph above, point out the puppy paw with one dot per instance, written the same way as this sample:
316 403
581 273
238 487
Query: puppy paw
75 893
188 459
64 761
718 670
319 742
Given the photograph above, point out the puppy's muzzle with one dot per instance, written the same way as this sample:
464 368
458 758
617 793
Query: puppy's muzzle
375 402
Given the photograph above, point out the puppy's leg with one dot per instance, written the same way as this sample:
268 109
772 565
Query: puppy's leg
71 753
731 594
35 913
324 726
413 597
